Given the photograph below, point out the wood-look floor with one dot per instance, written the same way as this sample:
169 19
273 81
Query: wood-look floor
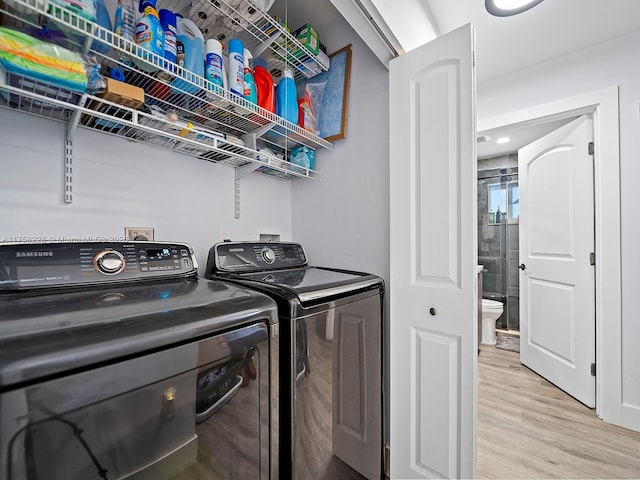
528 428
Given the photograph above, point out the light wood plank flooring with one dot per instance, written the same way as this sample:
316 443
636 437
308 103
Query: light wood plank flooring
528 428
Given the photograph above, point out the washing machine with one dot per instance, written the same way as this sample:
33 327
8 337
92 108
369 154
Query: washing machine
331 400
117 361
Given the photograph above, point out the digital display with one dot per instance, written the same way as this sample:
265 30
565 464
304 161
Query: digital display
160 259
158 254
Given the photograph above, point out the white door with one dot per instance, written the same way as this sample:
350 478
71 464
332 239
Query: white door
557 303
432 289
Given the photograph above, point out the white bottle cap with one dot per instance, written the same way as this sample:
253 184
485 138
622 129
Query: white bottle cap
214 46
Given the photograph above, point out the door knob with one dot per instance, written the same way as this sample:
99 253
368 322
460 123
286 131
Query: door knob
433 311
522 266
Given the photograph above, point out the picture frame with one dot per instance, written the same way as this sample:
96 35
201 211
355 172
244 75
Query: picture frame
332 114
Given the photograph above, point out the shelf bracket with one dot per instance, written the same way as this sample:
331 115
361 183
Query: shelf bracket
72 124
240 173
252 137
68 171
259 50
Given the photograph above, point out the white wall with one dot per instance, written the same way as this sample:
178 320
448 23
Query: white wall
611 63
343 220
117 183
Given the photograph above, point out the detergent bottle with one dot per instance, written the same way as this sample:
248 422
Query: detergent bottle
168 21
189 55
286 97
264 84
149 33
250 90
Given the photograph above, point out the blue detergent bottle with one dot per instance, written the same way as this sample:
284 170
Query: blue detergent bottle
189 55
286 98
149 32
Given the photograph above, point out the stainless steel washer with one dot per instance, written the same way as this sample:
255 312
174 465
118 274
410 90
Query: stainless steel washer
331 357
117 362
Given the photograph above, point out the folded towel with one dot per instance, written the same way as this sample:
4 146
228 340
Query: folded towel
24 55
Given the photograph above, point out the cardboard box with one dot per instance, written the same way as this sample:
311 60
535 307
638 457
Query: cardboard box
124 94
116 92
308 37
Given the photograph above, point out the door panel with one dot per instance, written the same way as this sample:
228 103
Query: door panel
433 260
556 238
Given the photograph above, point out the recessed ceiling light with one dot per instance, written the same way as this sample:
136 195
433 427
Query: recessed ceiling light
502 140
505 8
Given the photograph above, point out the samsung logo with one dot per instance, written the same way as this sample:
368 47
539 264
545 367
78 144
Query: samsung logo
233 250
34 254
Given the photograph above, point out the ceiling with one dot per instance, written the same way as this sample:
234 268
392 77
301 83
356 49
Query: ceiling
551 29
487 147
504 45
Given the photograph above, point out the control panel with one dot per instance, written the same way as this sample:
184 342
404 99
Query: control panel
31 265
255 256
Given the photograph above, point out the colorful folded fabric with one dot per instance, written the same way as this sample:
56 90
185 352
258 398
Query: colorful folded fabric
24 55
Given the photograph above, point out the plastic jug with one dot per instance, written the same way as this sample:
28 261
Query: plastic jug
286 97
149 32
189 53
264 84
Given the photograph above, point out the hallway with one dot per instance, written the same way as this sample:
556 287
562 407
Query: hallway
528 428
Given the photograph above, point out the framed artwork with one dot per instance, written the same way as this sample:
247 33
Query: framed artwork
332 115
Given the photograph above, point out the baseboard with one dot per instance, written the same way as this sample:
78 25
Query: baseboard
631 417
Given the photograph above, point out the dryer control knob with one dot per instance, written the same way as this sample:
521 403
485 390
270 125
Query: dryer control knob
109 262
268 255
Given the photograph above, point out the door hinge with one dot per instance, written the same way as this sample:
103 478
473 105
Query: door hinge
591 148
592 258
593 369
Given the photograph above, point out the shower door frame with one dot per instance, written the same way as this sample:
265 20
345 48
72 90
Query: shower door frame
506 172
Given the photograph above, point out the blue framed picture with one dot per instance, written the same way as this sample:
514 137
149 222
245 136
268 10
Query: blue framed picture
332 114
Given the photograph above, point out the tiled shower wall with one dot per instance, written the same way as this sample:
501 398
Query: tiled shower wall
498 249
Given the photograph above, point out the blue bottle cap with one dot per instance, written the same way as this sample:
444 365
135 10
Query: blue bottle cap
117 74
143 3
167 17
236 46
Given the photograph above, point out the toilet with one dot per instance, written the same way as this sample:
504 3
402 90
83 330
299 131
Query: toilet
491 311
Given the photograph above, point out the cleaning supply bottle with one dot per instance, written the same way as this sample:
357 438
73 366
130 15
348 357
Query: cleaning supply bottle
213 62
125 20
168 21
286 97
236 67
104 20
149 32
189 54
264 84
250 90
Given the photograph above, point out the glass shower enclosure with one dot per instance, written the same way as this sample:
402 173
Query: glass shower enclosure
498 237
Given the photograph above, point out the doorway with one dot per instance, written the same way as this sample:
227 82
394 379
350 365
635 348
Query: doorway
603 105
545 268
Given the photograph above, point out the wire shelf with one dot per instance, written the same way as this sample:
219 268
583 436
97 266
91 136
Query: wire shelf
99 114
190 99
